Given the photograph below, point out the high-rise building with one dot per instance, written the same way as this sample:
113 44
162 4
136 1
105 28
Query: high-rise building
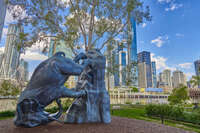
133 50
146 58
22 73
132 74
59 46
178 79
142 75
11 53
2 15
197 69
154 75
122 67
1 58
167 78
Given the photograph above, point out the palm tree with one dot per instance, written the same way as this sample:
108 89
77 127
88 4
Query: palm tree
195 81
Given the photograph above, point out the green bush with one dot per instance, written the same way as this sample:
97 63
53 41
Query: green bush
176 113
7 114
192 117
164 111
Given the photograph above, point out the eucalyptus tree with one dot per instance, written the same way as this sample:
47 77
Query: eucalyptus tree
82 24
195 81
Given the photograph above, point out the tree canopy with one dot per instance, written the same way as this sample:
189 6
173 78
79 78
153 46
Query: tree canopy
82 24
179 95
8 89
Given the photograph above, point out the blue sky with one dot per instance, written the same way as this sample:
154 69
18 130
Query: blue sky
172 36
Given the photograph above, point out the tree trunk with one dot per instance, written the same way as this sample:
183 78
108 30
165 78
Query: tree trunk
108 82
162 119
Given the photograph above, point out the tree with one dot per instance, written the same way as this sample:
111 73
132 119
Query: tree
8 89
80 23
179 95
112 67
131 78
195 81
134 89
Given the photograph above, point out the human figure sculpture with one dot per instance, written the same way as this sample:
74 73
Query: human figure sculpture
96 106
45 86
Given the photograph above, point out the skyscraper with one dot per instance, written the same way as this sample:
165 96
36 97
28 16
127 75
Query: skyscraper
122 67
59 46
167 78
178 79
11 54
2 15
23 70
132 74
133 50
142 75
146 58
197 67
154 78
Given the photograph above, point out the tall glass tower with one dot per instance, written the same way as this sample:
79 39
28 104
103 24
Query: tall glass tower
132 52
59 46
133 49
197 69
11 57
2 15
154 78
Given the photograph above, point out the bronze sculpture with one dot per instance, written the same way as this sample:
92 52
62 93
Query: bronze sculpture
47 85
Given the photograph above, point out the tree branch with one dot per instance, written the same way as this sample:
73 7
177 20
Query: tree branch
80 24
113 35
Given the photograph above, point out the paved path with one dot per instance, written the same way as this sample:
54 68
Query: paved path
118 125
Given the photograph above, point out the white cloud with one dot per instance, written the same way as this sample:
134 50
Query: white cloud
160 40
32 55
185 65
164 1
179 35
34 52
173 6
144 25
189 75
161 63
2 49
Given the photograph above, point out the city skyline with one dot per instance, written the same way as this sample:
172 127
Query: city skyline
155 37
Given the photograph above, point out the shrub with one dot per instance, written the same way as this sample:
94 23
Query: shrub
7 114
164 111
192 117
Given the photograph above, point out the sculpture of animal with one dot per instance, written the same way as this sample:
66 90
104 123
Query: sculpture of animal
45 86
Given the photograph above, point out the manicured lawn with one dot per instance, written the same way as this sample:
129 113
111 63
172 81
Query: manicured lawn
139 113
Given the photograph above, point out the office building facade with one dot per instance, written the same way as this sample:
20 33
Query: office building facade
154 75
167 78
142 75
23 73
146 58
122 67
2 15
59 46
197 69
178 79
11 54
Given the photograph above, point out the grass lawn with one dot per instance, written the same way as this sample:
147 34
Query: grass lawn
139 113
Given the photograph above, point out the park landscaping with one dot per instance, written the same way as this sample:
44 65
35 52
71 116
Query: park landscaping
169 115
